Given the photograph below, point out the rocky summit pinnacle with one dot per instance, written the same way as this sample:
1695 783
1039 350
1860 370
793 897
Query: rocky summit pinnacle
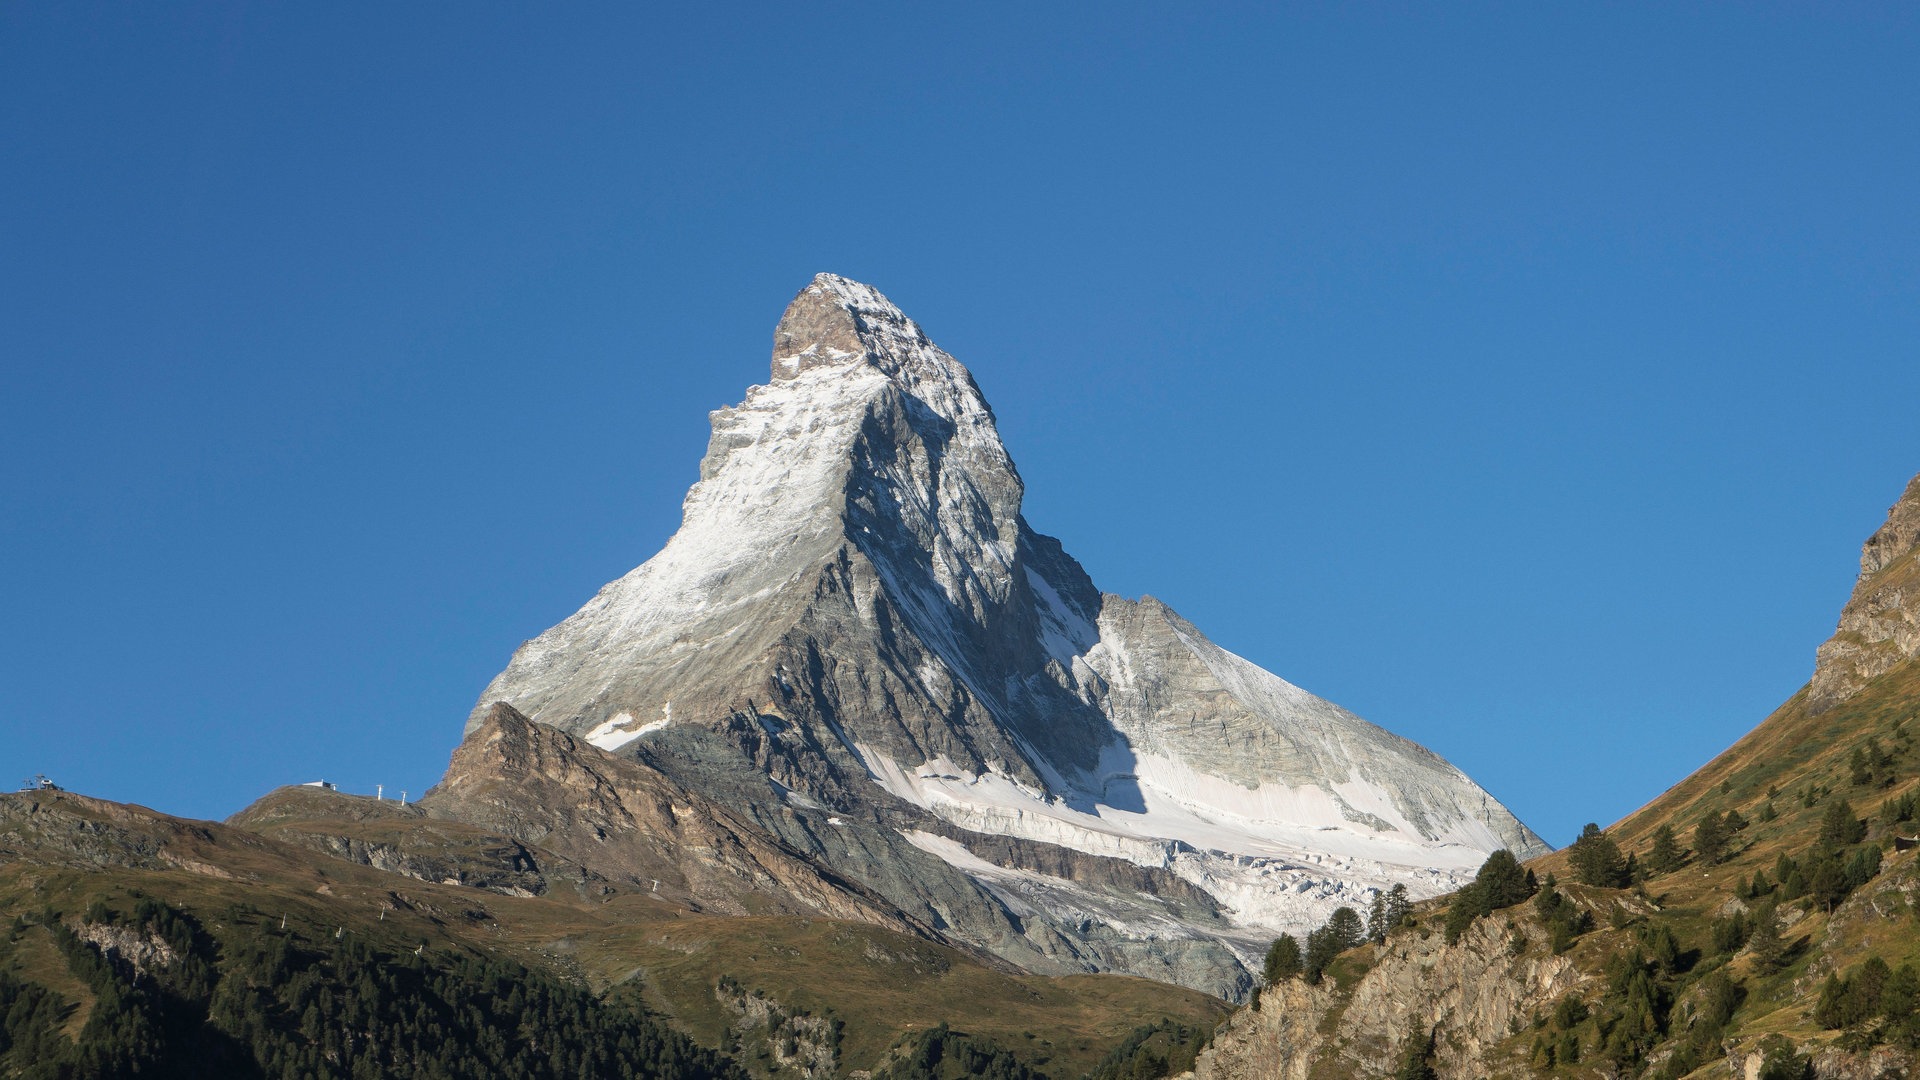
857 642
835 320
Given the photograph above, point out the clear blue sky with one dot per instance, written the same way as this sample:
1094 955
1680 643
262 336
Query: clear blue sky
1524 378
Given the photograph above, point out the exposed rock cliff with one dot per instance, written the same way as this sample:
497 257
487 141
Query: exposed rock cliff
1880 626
1472 995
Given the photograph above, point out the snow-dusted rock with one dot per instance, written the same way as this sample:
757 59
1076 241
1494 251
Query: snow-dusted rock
857 636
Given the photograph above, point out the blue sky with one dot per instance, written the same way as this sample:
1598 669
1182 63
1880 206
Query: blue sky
1524 378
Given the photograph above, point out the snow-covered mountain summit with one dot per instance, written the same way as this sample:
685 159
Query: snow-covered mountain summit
855 632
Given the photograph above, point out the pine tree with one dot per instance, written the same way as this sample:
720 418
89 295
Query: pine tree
1839 828
1710 839
1347 929
1377 919
1502 880
1597 860
1763 939
1665 856
1283 959
1342 931
1399 908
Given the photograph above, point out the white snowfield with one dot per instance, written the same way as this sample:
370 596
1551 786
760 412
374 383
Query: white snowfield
1277 803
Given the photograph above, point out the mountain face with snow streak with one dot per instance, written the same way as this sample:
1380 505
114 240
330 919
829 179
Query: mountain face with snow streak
856 640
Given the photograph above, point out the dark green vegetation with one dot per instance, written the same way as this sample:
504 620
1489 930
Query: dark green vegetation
1343 930
945 1054
1501 883
1156 1050
1786 926
171 999
131 938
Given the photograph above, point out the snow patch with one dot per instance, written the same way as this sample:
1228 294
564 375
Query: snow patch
623 729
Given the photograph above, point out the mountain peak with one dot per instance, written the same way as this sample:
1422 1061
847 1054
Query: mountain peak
835 320
856 637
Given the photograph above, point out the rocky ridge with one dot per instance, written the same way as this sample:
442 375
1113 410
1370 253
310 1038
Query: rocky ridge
1880 625
1473 995
1804 788
856 642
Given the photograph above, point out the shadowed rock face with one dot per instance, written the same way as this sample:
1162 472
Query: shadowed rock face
856 642
1880 625
624 819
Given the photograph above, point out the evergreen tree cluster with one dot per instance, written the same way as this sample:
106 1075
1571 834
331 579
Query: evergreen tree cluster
1596 860
941 1053
1152 1051
262 1003
1559 1042
1500 883
1713 836
1872 765
1390 910
1838 863
1565 919
1634 1011
1873 994
1342 931
1900 809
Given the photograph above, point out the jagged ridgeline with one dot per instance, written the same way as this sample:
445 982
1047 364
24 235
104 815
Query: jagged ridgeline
1761 919
858 646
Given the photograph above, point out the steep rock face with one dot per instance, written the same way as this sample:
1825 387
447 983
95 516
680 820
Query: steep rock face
855 620
541 787
1472 995
1880 626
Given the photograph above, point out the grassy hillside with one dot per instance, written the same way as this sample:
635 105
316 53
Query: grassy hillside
1759 919
776 994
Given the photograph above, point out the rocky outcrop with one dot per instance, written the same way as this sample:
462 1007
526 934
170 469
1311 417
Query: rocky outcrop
626 821
61 828
1473 995
1880 625
857 644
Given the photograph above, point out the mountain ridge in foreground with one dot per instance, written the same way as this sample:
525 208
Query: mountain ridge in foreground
856 634
1767 926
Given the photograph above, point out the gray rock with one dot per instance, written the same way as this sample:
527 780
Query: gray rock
1880 626
856 641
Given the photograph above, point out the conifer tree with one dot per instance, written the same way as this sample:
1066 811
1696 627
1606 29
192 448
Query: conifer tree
1665 856
1398 907
1840 828
1710 839
1502 880
1283 959
1763 939
1346 928
1597 860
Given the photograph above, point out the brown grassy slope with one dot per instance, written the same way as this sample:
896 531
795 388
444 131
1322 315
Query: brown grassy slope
60 852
